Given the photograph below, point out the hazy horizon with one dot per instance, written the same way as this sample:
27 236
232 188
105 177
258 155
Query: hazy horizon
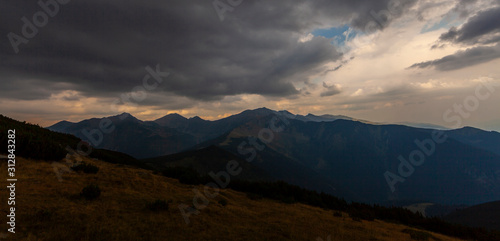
219 118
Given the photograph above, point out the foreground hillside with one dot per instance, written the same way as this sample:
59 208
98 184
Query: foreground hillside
485 215
49 209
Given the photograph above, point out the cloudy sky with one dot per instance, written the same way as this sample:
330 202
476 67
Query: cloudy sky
379 60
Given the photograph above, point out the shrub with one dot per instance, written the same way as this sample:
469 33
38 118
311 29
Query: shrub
254 196
288 200
185 175
85 167
418 235
362 213
91 192
43 215
159 205
337 214
223 202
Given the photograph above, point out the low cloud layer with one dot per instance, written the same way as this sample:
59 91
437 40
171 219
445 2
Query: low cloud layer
478 33
463 59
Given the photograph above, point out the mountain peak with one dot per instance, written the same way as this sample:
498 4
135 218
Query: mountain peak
260 111
124 116
60 126
196 118
171 120
263 109
173 116
285 112
64 122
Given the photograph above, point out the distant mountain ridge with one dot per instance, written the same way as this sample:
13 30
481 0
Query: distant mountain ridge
127 134
355 156
335 154
186 131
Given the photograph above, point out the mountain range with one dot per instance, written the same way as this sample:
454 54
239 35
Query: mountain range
354 159
258 181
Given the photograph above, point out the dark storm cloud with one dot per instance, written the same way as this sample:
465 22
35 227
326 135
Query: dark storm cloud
463 59
29 89
101 48
382 13
463 7
481 30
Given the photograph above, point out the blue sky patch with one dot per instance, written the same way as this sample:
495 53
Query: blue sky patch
337 34
446 22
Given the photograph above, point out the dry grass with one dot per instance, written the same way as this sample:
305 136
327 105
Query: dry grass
51 210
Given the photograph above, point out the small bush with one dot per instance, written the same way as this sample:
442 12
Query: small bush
185 175
366 214
418 235
223 202
159 205
43 215
337 214
288 200
86 168
254 196
91 192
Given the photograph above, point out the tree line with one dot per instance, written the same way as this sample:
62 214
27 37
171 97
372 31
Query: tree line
287 193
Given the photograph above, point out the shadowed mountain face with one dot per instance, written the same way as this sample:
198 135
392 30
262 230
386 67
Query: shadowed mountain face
356 156
334 154
210 159
486 140
125 133
142 139
170 134
214 160
486 215
205 130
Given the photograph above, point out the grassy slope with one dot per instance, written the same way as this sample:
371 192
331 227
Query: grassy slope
52 210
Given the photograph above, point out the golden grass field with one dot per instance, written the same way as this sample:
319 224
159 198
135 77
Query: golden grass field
48 209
